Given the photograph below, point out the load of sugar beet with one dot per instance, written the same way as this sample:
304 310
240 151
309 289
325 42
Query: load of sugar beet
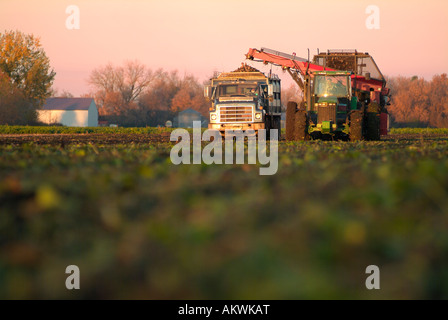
246 68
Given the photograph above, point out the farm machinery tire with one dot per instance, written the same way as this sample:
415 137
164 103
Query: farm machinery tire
372 126
300 132
291 109
356 125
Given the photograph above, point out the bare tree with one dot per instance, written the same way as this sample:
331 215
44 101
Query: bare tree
117 89
416 101
190 95
66 94
292 93
136 78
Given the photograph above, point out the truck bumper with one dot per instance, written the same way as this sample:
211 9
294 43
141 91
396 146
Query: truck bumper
236 126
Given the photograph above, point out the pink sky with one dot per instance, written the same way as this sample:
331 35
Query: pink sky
202 36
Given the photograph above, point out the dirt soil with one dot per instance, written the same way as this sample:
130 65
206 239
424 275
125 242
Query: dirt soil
60 139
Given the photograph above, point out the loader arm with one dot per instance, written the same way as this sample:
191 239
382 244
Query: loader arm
298 68
284 60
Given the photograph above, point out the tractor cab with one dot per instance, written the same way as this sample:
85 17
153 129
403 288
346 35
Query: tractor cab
332 88
331 101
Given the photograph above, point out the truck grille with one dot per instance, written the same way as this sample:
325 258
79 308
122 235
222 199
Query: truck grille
326 113
235 114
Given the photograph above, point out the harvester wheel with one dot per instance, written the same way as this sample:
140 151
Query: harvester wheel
291 108
300 132
373 126
356 122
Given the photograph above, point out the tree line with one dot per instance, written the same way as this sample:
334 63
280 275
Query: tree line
134 95
128 95
417 102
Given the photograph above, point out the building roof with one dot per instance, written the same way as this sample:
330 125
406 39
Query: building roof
189 110
68 104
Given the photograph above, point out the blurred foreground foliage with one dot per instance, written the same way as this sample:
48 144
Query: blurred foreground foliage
139 227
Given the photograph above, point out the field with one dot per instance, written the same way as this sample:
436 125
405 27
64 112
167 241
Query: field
139 227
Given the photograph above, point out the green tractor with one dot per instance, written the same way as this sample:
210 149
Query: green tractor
344 95
329 111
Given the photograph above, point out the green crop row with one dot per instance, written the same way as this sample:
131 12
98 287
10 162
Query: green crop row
5 129
419 131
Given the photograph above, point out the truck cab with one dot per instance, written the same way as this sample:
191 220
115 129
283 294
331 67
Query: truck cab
244 101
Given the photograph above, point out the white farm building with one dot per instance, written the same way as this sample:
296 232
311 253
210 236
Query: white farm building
71 112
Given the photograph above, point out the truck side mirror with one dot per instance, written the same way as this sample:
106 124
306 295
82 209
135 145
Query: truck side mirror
208 92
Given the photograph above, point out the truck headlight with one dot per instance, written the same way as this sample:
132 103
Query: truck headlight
213 116
258 116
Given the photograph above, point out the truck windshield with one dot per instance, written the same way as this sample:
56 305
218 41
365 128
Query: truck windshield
331 85
230 90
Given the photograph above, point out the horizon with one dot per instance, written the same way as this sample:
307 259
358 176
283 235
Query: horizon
191 38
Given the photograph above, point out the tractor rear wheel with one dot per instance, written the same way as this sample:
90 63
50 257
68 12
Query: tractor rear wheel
290 120
373 126
300 132
356 125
